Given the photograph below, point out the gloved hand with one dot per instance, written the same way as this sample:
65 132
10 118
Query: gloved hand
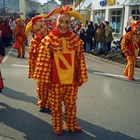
126 54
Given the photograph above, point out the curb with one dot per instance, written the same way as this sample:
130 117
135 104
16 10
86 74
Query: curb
108 61
5 138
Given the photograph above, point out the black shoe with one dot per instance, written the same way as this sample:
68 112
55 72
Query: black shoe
22 56
0 90
42 110
45 110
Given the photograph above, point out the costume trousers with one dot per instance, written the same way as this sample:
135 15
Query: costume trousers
129 69
68 95
1 81
21 50
43 95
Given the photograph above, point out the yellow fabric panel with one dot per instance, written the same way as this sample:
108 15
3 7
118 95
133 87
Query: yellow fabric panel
111 2
65 75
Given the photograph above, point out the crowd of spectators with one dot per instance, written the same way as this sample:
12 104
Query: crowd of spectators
97 38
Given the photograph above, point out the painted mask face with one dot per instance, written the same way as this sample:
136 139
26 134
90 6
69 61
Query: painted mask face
37 26
44 28
63 23
44 24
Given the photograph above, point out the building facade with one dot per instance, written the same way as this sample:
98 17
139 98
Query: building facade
74 3
116 12
48 6
22 7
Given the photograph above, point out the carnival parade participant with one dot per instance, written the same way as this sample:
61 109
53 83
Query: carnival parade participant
2 54
129 45
61 65
20 38
37 26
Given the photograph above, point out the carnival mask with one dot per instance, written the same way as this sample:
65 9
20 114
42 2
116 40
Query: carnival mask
63 23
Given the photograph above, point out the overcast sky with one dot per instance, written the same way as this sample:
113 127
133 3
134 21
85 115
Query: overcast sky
43 1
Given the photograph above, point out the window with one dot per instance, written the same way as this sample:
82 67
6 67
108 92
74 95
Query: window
135 12
115 21
99 16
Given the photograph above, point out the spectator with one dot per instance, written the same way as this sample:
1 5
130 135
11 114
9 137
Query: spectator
108 36
100 39
83 37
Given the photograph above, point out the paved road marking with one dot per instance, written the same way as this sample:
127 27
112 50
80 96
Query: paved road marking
16 65
112 75
7 55
108 74
89 133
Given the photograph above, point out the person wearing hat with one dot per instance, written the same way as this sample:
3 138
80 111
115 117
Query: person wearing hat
39 28
61 64
20 38
129 46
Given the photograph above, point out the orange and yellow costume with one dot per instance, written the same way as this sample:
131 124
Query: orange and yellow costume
20 38
129 46
39 27
61 64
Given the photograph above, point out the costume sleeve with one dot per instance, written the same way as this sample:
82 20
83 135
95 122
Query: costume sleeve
32 57
33 53
124 42
81 65
43 64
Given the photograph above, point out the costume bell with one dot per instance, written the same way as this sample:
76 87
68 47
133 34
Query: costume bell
61 64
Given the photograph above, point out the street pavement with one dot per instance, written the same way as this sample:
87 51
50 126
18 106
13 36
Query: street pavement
108 104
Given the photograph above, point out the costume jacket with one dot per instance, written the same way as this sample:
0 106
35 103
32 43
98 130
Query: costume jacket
19 32
33 53
61 59
130 44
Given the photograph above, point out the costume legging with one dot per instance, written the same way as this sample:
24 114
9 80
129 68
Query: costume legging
68 95
129 69
43 95
21 50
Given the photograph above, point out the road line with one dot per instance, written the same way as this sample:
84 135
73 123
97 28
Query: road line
16 65
108 74
89 133
112 75
7 55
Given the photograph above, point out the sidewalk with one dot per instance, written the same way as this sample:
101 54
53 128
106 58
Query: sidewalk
5 138
108 61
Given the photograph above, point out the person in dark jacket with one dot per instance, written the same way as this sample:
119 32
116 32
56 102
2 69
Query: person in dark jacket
108 36
83 37
89 37
6 32
92 34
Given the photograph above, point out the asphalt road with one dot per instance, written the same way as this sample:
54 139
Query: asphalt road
108 105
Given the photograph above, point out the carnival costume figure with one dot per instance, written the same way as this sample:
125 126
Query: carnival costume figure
129 45
20 38
38 27
2 54
61 64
